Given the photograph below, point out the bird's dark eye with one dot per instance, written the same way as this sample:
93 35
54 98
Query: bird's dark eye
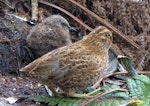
108 34
64 24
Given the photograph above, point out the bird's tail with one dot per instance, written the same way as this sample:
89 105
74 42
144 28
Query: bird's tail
30 67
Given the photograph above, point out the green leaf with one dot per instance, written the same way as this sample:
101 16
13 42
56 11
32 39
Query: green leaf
128 65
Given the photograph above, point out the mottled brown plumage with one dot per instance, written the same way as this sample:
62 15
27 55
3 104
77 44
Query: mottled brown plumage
52 33
76 66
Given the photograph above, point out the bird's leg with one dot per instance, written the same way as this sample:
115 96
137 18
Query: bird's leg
88 95
49 91
93 92
73 94
50 88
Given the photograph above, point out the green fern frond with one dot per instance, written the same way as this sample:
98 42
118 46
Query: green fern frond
142 78
52 101
108 88
134 91
124 95
138 88
110 102
58 101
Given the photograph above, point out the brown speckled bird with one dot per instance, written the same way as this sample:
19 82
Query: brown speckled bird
52 33
76 66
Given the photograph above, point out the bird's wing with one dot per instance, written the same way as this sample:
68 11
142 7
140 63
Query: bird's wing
76 62
44 60
50 59
62 61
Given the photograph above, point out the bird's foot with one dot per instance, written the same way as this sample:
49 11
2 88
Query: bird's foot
94 92
88 95
80 95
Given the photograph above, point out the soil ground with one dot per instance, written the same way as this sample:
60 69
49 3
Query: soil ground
11 85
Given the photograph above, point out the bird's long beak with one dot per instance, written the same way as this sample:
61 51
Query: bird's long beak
73 29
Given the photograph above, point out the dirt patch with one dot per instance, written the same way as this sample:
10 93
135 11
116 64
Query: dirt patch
14 52
11 85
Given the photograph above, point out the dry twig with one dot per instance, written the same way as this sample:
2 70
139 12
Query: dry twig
100 95
116 73
34 4
68 13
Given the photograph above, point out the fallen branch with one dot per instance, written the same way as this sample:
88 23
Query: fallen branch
100 95
116 73
68 13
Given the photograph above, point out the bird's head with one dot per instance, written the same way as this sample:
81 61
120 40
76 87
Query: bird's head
59 21
100 37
